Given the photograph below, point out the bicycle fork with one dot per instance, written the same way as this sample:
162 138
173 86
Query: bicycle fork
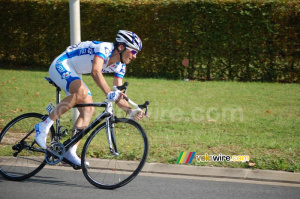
111 137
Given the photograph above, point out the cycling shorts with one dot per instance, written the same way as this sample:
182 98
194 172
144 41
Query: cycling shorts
63 74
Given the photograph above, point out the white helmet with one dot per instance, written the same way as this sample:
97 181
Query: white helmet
130 39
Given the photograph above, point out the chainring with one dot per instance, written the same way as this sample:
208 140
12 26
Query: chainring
55 153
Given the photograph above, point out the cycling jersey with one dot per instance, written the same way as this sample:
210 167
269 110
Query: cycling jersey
78 59
82 56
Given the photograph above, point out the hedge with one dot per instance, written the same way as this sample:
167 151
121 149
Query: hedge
244 40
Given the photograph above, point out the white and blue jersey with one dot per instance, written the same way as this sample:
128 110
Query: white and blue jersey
78 59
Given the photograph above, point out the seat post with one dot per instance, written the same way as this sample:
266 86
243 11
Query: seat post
57 102
57 95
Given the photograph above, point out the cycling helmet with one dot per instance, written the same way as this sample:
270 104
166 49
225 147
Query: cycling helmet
130 39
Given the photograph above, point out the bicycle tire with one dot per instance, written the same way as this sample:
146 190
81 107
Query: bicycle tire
27 162
107 171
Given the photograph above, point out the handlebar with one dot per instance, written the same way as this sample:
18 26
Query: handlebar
124 87
145 105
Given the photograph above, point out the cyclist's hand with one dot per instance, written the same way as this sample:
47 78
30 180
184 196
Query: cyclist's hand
115 95
137 114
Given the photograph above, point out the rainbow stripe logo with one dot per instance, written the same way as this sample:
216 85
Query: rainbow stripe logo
185 158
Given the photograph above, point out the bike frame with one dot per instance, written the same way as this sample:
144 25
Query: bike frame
107 114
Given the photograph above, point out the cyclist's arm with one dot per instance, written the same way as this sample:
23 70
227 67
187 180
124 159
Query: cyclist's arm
98 76
123 104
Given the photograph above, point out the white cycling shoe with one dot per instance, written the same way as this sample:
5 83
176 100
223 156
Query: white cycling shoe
41 135
73 158
41 138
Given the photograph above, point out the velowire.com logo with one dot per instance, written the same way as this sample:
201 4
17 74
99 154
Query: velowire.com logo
187 158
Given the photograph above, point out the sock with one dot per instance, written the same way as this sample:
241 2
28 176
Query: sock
45 125
48 123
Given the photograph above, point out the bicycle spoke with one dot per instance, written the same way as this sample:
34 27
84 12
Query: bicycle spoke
108 171
20 156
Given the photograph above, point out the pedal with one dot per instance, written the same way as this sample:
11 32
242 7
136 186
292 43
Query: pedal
66 161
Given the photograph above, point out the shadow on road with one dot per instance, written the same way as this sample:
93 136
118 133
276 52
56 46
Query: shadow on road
48 180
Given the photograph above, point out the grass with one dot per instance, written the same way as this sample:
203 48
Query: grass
261 120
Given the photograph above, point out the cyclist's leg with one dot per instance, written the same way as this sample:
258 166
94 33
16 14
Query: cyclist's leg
62 73
65 77
77 93
85 114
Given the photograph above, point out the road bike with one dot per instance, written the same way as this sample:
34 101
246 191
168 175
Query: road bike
112 156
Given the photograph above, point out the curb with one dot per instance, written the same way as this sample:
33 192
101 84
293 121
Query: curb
204 171
221 172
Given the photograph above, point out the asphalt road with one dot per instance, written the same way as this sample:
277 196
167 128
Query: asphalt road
61 184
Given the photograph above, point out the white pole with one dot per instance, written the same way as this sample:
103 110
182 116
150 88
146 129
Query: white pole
75 34
75 21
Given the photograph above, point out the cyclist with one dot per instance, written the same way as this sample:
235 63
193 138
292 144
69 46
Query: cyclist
96 58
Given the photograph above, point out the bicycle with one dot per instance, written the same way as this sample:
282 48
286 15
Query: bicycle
115 157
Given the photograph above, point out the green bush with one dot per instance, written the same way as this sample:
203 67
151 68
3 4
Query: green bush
244 40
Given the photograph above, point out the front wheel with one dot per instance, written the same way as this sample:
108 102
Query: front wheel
107 171
20 156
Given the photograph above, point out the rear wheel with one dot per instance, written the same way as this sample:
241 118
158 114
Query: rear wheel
107 171
20 156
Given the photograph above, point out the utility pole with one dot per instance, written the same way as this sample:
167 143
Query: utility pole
75 31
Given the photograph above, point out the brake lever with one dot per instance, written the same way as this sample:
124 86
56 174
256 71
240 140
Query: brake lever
146 111
123 87
145 105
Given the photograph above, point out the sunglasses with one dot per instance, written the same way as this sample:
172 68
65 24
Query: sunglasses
133 51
